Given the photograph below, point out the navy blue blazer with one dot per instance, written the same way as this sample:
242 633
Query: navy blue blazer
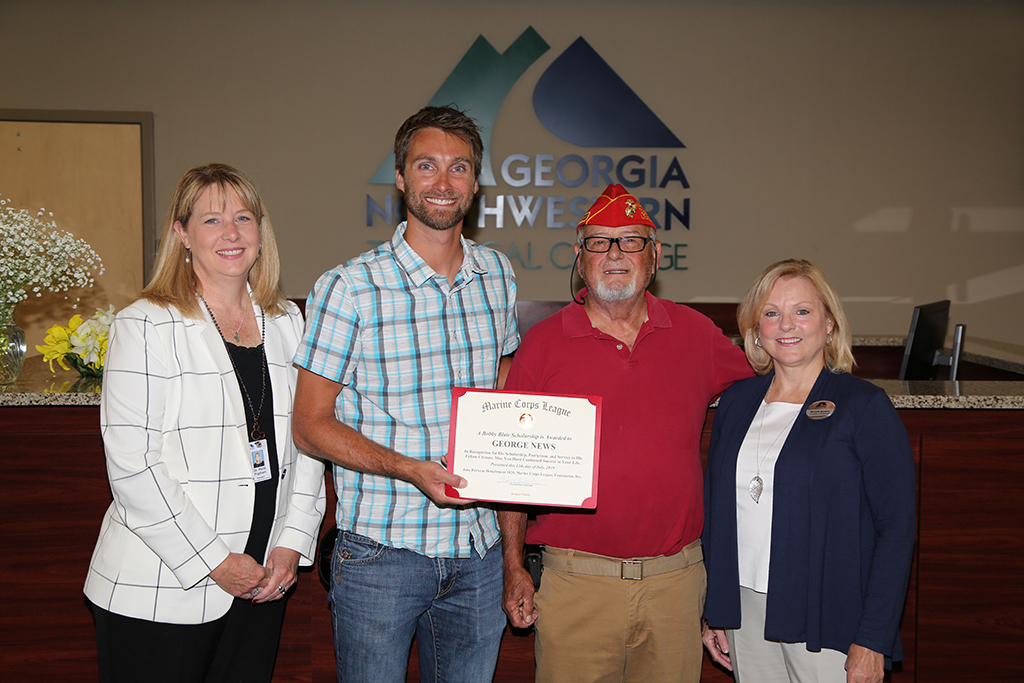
843 519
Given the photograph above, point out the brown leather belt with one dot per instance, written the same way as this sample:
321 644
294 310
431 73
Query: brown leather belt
633 569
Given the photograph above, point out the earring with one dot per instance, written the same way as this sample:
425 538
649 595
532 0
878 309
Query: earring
828 339
757 342
188 255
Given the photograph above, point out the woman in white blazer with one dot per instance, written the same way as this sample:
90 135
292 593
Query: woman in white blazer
214 508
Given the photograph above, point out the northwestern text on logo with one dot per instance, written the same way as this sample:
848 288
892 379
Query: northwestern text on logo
581 100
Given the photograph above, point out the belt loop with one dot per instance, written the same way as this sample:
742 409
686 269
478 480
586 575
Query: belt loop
696 553
568 559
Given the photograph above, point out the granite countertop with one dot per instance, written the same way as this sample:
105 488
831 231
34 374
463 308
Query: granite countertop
987 361
951 395
986 395
37 386
1003 395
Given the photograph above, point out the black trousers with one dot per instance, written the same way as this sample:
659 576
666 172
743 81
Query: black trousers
239 647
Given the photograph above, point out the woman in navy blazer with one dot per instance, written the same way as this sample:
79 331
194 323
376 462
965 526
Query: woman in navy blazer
809 498
214 508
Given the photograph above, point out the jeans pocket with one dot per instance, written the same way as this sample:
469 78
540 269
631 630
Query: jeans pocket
356 549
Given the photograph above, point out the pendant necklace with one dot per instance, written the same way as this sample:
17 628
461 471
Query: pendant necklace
757 484
236 331
215 322
258 436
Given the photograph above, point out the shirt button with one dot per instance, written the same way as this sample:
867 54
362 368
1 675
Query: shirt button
618 346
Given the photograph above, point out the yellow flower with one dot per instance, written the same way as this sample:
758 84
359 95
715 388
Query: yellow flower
103 351
58 343
83 343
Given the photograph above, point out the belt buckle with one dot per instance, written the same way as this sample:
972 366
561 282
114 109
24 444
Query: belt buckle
638 564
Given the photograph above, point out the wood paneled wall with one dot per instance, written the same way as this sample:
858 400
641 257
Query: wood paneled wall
964 618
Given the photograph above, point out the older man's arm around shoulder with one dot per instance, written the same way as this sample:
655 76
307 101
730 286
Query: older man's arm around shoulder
318 431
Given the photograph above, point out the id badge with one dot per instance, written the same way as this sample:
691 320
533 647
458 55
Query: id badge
260 462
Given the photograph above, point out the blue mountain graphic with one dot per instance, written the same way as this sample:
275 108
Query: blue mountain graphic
583 101
478 85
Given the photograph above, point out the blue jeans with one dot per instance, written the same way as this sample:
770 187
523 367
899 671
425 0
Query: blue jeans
382 596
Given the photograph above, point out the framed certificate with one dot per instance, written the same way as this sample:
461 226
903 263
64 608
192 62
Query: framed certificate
529 448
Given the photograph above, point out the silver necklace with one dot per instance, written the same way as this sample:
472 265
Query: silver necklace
757 484
241 322
216 323
257 433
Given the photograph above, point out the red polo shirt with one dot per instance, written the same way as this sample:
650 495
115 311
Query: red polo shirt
655 399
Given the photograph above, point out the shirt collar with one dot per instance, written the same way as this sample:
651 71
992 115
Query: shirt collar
576 322
418 270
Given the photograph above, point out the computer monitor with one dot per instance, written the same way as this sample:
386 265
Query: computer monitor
926 341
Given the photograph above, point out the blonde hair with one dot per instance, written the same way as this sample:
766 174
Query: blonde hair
838 352
174 281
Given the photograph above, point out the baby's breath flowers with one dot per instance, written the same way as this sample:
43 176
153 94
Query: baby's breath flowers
37 257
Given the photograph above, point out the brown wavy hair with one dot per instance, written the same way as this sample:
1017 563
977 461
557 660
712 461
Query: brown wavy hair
450 120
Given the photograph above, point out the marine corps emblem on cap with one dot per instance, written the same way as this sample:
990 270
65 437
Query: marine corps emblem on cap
616 208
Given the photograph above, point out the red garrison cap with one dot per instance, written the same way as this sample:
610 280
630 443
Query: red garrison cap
616 208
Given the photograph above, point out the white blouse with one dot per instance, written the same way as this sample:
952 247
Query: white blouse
761 446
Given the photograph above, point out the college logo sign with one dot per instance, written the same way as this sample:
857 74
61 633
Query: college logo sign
582 101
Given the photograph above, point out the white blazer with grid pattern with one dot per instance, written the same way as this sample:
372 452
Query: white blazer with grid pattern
177 454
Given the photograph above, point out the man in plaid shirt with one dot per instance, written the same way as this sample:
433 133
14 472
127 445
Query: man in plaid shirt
387 336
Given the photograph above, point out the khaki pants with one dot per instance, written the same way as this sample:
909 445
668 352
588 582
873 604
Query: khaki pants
606 629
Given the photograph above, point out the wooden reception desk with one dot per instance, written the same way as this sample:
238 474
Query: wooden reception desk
964 617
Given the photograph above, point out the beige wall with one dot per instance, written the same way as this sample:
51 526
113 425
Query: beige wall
88 177
884 141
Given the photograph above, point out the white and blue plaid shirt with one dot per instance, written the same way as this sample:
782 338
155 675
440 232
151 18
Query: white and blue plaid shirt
399 338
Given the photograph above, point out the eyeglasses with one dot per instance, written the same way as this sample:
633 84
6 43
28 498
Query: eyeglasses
627 245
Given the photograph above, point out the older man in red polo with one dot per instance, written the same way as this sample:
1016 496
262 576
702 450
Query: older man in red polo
623 585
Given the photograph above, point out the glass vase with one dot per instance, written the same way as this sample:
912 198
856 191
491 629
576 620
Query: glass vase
12 349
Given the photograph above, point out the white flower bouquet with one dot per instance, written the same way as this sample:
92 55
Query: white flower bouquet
37 257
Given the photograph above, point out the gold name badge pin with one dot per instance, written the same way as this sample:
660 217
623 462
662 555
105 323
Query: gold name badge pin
819 410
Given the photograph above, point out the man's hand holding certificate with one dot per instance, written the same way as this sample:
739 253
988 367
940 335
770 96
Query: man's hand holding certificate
534 449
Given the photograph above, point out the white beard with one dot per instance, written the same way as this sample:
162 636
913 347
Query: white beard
621 292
